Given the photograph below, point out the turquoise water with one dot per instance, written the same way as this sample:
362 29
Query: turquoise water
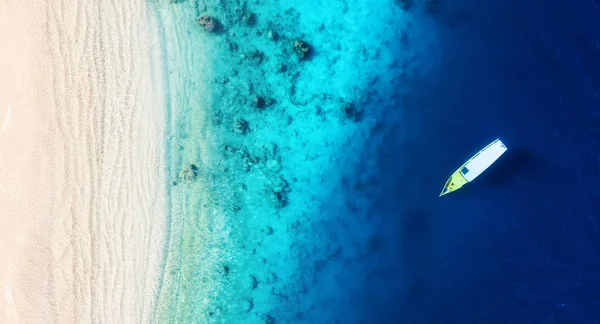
261 230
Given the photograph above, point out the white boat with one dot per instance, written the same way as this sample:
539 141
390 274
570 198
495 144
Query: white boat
474 166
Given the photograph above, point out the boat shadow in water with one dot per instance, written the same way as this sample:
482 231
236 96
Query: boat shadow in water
511 166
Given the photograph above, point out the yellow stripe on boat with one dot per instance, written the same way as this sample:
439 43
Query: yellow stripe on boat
474 166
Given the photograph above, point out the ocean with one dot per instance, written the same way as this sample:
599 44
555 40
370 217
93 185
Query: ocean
304 185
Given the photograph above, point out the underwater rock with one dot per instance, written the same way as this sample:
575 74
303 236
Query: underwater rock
271 158
277 198
188 173
229 149
249 18
241 126
268 230
256 57
247 304
293 226
273 165
267 319
270 150
281 68
272 35
214 311
351 111
232 46
226 270
278 292
248 160
253 282
221 79
277 193
271 278
301 48
261 102
209 23
236 208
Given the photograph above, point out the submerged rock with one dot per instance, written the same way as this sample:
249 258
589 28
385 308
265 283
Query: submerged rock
208 23
255 57
248 159
226 270
271 278
247 304
277 192
270 150
249 18
302 48
281 68
351 111
267 319
271 158
272 35
268 230
261 102
189 173
241 126
253 282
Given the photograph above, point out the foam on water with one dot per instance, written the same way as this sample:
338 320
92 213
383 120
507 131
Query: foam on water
261 230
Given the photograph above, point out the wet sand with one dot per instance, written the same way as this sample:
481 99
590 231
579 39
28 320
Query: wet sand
82 194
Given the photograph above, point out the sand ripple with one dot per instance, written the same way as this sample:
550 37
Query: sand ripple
81 162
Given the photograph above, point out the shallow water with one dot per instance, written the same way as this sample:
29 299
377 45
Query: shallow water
248 241
312 214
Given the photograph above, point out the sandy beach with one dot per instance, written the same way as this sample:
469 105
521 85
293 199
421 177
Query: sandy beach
82 201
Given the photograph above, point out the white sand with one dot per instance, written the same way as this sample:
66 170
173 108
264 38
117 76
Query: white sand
82 207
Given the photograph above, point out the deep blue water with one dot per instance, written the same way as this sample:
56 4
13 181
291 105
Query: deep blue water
522 243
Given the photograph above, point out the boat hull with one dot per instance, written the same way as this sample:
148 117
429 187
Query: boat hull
474 166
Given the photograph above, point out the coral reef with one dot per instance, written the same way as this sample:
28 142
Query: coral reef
269 179
209 23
